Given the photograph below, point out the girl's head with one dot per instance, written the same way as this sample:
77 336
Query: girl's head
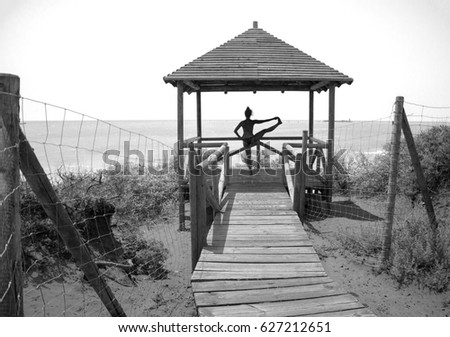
248 112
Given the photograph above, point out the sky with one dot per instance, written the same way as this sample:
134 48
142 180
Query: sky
107 58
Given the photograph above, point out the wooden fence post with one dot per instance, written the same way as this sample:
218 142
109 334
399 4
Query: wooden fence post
198 207
419 172
299 186
11 290
41 186
392 187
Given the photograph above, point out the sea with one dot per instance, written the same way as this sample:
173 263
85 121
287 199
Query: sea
88 144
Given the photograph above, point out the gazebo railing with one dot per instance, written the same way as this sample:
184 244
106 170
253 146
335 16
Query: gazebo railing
309 173
207 178
207 182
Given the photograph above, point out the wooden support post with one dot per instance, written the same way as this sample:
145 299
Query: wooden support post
392 186
199 116
305 148
311 122
215 180
283 172
11 292
226 166
419 172
299 185
198 207
304 169
180 156
330 143
258 155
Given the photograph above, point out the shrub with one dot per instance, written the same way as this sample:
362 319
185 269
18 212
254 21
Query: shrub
416 257
93 197
143 197
433 146
148 257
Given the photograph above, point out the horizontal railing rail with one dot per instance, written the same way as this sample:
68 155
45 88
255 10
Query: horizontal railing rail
216 156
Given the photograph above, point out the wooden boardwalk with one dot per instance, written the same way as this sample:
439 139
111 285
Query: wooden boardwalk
260 262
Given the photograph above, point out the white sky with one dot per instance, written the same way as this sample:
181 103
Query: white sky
107 58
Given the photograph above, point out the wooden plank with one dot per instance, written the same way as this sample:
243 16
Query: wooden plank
259 250
261 243
277 212
205 299
230 216
274 218
254 189
265 197
258 195
203 275
363 312
256 284
286 308
260 235
287 236
235 206
265 237
260 267
257 221
255 228
267 183
253 258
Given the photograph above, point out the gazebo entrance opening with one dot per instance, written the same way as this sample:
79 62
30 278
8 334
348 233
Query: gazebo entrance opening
257 61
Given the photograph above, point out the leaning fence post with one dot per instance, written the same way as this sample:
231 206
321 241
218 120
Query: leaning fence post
422 182
11 292
392 186
41 186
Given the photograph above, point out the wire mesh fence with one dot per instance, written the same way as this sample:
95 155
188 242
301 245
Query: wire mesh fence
117 188
360 194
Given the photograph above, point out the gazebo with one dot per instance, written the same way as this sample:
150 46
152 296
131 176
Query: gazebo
256 61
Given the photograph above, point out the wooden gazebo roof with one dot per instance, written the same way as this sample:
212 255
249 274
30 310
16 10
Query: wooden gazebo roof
256 61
